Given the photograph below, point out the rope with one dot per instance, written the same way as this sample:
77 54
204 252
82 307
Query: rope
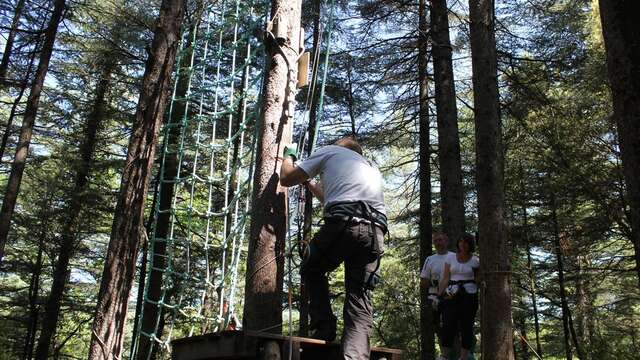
324 76
207 224
527 342
206 229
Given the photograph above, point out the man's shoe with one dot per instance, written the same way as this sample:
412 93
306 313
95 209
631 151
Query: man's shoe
326 332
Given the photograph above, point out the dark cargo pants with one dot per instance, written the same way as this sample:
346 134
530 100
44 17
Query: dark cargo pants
339 241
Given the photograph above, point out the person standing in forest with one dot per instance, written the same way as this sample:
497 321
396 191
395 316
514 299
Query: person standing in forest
353 232
459 289
430 276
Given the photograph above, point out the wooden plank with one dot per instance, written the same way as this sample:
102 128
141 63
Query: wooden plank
264 335
247 344
303 70
225 345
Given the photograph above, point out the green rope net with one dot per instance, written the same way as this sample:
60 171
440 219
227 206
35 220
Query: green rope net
202 200
204 188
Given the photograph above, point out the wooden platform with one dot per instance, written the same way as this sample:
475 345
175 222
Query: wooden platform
250 345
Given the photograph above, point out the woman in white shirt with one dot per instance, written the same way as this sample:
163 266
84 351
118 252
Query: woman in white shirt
460 291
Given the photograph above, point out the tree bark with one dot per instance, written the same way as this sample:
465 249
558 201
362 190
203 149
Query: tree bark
621 39
28 121
8 47
447 115
427 333
497 334
265 262
128 224
69 234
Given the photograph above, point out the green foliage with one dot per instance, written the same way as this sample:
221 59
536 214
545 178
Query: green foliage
559 143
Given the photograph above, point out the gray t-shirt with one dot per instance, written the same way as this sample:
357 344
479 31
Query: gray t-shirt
345 176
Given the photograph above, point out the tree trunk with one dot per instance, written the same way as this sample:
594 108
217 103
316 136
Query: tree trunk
128 223
583 308
560 269
621 34
8 47
350 100
168 175
265 262
522 324
427 333
142 278
16 103
303 327
69 234
448 141
22 149
497 334
34 285
532 285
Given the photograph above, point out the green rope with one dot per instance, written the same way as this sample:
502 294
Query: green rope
207 225
324 76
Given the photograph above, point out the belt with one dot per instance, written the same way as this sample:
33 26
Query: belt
461 282
357 211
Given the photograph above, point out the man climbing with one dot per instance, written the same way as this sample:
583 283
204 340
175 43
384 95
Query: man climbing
430 278
353 231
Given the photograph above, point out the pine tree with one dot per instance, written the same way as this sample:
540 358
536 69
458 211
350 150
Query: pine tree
621 37
128 224
28 122
497 335
265 260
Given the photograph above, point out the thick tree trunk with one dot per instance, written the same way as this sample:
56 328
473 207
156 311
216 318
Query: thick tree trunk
303 327
22 149
427 333
497 334
169 173
561 284
448 140
95 122
265 262
622 42
11 37
128 224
